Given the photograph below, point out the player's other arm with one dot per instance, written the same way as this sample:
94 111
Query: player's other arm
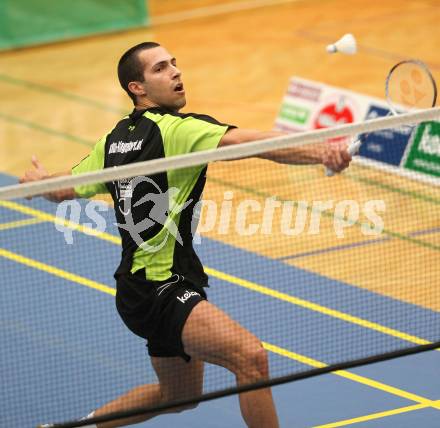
334 156
38 172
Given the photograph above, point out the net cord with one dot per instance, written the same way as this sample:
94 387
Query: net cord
246 388
249 149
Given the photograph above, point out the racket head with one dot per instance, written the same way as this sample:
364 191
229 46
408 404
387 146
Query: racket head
410 86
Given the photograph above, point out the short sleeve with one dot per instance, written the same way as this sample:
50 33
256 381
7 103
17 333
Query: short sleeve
192 134
93 162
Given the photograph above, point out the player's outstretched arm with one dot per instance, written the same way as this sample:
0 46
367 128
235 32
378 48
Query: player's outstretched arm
334 156
38 172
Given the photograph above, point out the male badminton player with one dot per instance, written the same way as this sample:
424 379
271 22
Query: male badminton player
160 283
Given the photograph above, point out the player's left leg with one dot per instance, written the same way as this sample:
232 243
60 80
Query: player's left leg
178 379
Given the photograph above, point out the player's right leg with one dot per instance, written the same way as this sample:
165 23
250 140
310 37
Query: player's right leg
212 336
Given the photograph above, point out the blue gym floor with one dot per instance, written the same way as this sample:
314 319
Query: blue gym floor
65 350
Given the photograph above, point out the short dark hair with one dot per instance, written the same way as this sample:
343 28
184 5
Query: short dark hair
131 69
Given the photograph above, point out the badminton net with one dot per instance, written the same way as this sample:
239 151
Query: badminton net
329 273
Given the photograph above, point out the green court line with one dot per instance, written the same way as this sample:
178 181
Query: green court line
375 183
103 106
41 128
63 94
324 213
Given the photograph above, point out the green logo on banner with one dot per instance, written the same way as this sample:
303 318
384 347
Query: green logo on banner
294 113
424 155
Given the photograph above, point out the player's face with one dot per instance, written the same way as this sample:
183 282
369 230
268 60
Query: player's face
163 84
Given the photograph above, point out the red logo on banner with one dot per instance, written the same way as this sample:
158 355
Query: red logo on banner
334 113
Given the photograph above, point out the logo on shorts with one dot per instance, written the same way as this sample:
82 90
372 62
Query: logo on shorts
187 295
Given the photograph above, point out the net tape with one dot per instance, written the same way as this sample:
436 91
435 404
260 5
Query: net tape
113 416
224 153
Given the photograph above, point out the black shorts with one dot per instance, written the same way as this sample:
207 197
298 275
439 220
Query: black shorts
157 310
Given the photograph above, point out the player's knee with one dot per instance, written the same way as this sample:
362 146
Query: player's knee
261 361
254 363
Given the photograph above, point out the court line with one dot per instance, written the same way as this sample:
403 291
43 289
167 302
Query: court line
91 102
210 11
373 416
353 245
37 127
102 106
19 223
384 186
325 213
44 217
234 280
353 377
314 307
63 94
61 273
18 258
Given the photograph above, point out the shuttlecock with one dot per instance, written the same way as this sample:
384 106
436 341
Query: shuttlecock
346 45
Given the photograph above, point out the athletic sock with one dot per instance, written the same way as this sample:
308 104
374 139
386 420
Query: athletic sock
90 415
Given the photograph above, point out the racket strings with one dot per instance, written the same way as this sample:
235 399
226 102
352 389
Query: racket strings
410 86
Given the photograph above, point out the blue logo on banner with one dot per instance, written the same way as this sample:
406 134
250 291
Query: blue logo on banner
387 145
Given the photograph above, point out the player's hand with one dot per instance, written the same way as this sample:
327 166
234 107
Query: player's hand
335 156
38 172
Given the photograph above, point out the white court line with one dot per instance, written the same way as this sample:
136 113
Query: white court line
221 9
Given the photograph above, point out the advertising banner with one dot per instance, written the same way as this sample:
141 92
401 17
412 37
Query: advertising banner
309 105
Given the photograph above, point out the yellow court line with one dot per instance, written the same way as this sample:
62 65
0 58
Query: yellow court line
352 376
270 347
232 279
373 416
19 223
378 415
56 271
390 389
315 307
41 215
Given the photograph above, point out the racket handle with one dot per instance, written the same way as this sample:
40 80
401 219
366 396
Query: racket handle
353 148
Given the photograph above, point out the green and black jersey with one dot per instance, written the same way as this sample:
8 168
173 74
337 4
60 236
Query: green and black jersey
155 214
